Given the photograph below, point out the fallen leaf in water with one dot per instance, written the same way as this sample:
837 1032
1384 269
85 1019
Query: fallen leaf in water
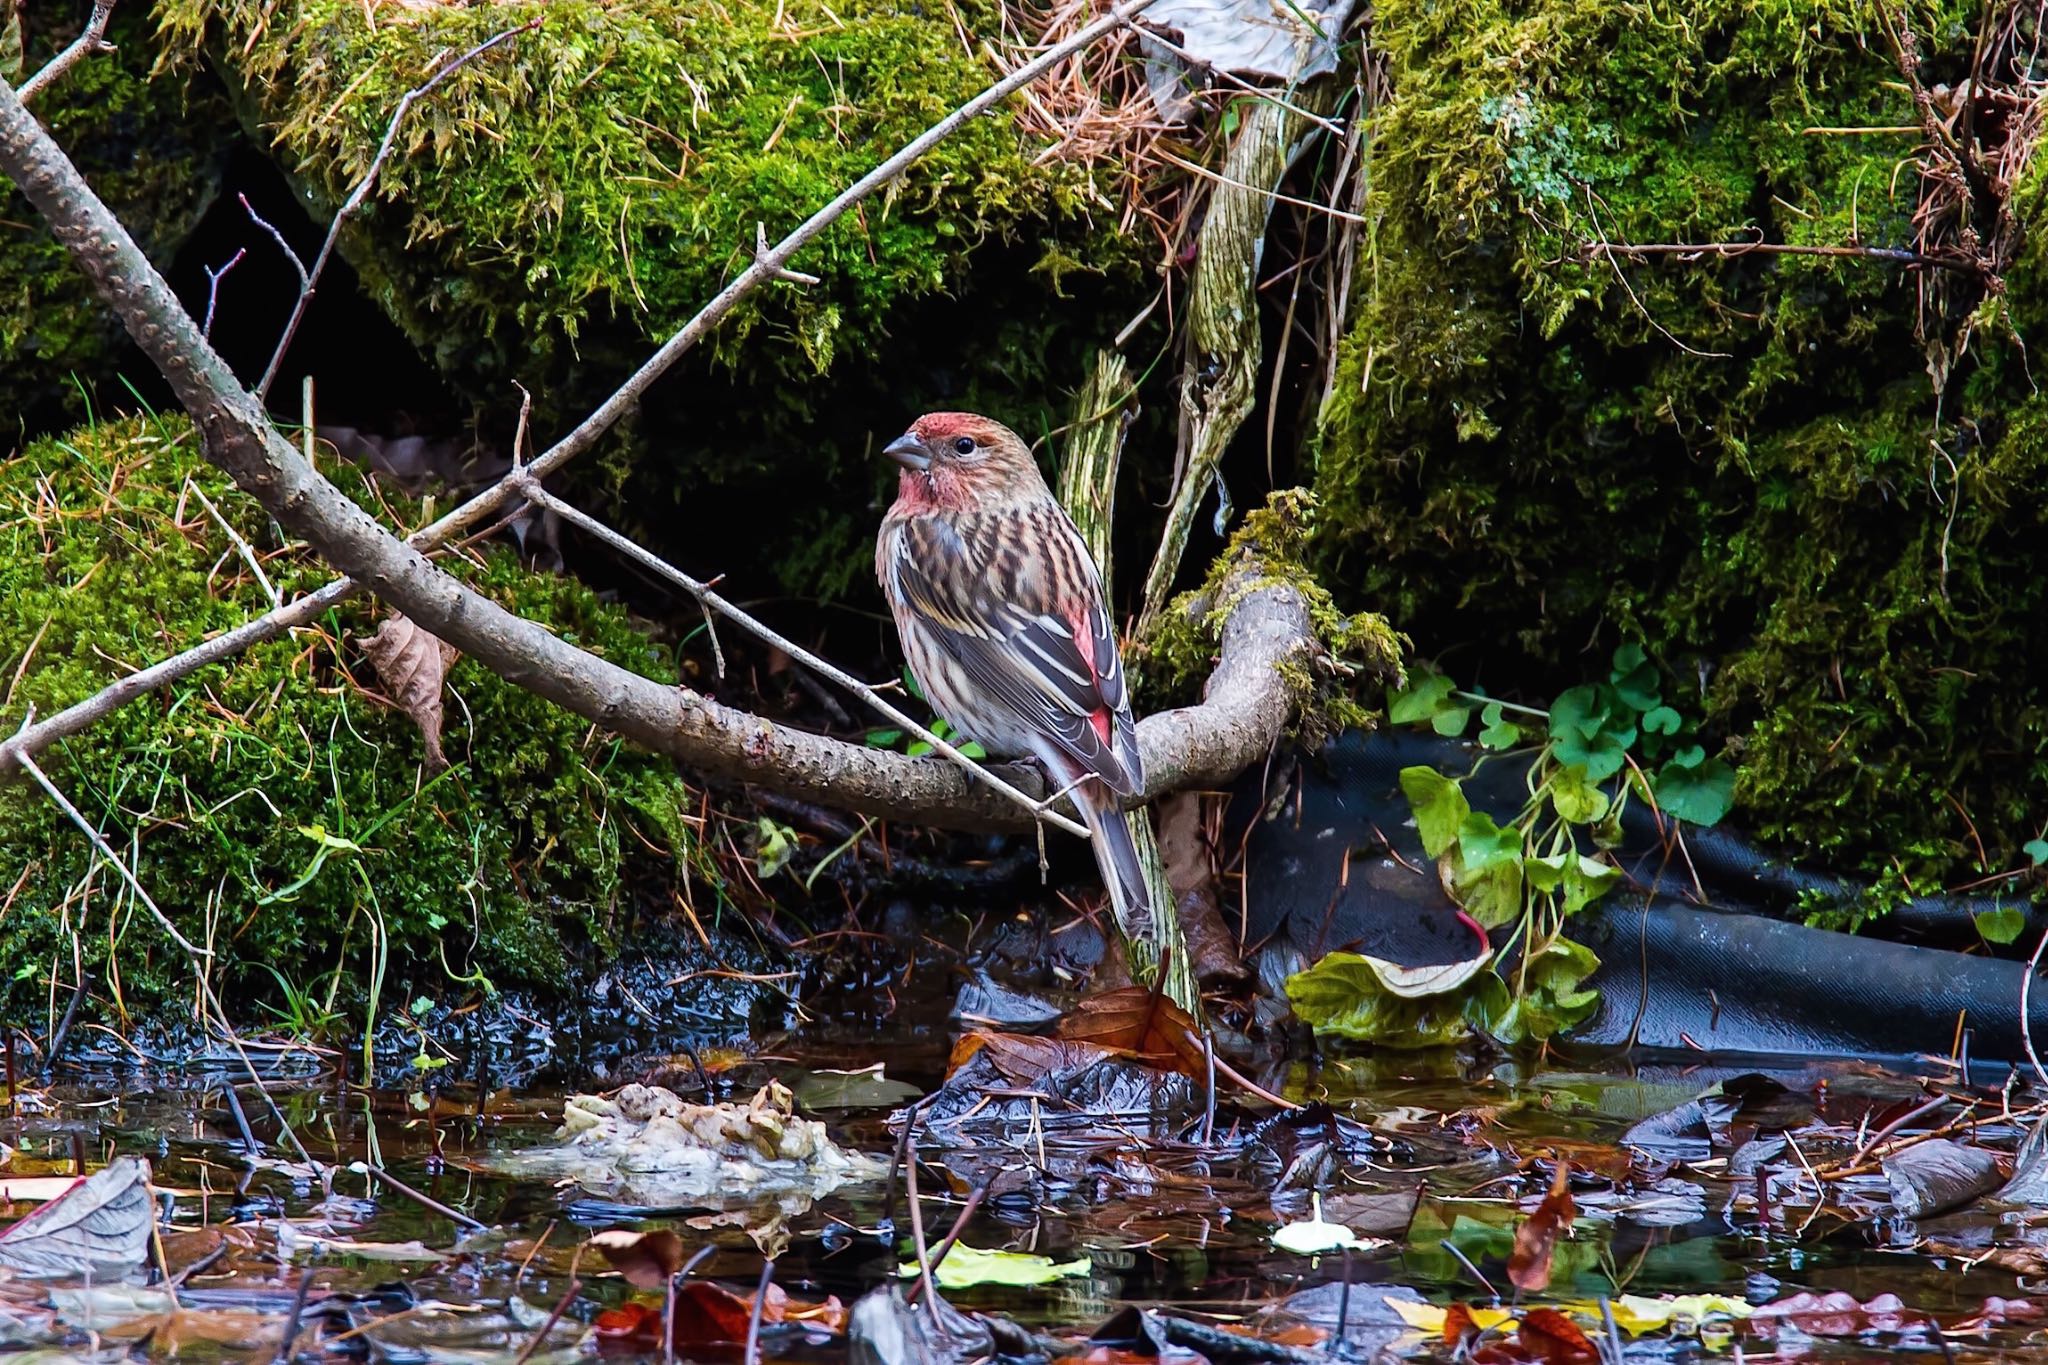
412 667
130 1313
1314 1237
1143 1023
1024 1058
295 1240
886 1329
1536 1238
966 1266
709 1314
1551 1337
101 1223
648 1260
1934 1177
1636 1314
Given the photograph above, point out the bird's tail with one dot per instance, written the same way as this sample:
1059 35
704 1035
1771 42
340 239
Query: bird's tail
1123 872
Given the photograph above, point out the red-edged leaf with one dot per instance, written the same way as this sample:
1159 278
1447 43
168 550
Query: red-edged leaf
1143 1023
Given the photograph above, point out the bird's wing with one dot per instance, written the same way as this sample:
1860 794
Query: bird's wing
1013 598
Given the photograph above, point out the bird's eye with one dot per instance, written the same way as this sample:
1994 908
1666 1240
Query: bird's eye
965 445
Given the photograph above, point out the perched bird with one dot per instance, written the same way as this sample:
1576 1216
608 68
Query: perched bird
1003 623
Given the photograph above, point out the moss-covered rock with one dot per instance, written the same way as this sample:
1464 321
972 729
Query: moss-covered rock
153 148
272 807
566 201
1536 452
1358 651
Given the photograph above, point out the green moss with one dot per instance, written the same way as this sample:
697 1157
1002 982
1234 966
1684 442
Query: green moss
226 789
1272 547
153 150
1533 455
612 166
564 203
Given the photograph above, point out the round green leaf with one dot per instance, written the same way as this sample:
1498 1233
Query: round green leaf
1701 792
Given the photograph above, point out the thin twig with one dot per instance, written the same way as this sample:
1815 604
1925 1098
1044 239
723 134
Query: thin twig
248 554
213 279
2026 1016
305 280
945 1245
530 487
310 279
1729 250
924 1256
485 504
753 1355
424 1201
88 40
291 1323
561 1307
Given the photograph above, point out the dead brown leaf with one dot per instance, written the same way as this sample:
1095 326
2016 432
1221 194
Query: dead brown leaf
1536 1239
647 1259
1554 1339
1142 1023
1023 1058
412 666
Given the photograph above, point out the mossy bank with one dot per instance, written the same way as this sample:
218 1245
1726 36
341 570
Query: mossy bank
1536 452
564 202
273 808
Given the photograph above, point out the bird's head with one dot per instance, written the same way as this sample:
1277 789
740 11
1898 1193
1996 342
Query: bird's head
961 461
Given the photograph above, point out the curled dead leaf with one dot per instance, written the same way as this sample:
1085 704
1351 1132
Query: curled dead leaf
412 666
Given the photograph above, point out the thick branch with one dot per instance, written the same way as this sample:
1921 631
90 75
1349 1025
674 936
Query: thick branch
1247 705
769 264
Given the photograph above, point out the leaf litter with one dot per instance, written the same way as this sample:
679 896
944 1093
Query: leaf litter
1089 1195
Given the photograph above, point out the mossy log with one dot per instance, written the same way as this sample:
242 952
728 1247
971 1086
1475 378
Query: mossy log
1224 353
1087 489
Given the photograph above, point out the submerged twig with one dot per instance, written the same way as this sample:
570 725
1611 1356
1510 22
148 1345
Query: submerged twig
425 1201
555 1316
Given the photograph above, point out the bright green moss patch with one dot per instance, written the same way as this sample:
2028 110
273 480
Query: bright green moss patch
152 148
611 167
1536 453
272 807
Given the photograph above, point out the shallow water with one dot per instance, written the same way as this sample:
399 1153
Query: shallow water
1159 1219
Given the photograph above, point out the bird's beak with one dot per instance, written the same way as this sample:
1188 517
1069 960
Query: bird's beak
908 451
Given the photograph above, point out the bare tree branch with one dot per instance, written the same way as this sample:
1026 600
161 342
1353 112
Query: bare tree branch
530 487
89 40
768 265
1248 703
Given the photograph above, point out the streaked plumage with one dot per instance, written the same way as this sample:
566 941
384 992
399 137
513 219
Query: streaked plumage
1003 623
